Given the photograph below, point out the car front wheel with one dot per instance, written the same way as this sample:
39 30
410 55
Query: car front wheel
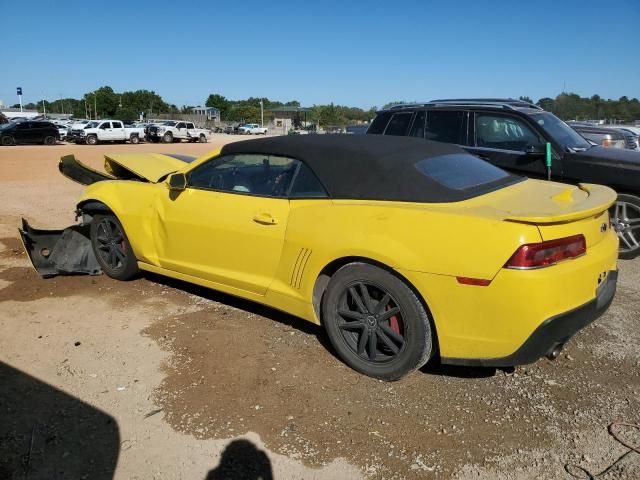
7 140
167 138
625 219
375 322
112 248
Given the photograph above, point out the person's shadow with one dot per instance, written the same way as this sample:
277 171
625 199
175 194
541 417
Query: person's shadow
241 460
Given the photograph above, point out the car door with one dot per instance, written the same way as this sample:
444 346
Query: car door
228 225
191 129
181 129
503 140
117 131
105 132
23 133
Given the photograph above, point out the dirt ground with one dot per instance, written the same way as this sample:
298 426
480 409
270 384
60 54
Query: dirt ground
155 378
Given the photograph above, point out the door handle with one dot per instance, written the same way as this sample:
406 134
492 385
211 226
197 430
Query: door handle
264 218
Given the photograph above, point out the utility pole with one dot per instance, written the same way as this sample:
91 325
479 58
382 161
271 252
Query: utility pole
261 113
95 104
19 91
44 108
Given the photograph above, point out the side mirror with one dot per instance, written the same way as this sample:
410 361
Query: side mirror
535 150
177 181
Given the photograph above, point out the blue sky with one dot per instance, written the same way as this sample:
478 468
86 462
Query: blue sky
360 53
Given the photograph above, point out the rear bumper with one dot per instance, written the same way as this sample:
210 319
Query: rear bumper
553 333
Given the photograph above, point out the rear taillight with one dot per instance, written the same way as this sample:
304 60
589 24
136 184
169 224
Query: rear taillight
544 254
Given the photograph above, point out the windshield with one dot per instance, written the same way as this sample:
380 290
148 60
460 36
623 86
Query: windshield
169 124
5 125
91 125
562 133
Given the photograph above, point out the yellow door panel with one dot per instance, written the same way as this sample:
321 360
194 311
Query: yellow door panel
227 238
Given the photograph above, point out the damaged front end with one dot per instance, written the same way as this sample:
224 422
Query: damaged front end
68 251
60 252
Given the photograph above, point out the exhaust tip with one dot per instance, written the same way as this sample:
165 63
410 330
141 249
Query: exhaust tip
555 352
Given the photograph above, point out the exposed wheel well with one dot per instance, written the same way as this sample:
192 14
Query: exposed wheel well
89 208
328 271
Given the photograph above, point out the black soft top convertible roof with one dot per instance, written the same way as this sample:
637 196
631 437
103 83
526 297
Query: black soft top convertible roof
368 167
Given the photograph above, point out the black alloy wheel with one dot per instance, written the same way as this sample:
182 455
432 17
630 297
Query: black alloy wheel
49 140
371 322
375 322
8 140
112 248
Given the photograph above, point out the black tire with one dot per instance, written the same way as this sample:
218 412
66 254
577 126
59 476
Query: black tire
400 342
625 218
202 138
134 139
112 248
92 140
167 138
7 140
49 140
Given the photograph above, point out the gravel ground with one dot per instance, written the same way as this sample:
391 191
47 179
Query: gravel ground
168 380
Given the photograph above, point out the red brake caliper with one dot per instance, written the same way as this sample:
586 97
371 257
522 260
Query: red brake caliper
394 323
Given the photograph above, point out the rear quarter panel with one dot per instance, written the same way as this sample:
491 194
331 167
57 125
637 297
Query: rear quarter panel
402 237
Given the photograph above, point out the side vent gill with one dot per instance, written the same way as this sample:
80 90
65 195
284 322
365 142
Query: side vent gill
298 267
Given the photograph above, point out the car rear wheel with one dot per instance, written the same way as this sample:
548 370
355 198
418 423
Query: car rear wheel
49 140
7 140
112 248
625 219
375 322
167 138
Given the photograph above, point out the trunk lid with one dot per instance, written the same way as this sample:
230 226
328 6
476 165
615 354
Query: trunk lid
558 210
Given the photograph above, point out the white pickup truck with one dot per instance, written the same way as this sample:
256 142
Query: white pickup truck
175 130
109 131
252 129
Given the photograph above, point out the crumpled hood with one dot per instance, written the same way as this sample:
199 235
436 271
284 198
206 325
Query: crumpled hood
146 167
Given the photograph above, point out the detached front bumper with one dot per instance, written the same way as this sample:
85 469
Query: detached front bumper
549 338
60 252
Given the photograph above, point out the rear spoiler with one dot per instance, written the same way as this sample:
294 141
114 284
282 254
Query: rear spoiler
599 198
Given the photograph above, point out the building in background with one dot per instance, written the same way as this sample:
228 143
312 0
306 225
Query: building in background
211 113
284 119
16 113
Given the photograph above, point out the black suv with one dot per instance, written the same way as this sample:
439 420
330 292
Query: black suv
28 132
513 134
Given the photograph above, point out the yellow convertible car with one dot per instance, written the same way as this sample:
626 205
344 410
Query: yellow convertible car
404 249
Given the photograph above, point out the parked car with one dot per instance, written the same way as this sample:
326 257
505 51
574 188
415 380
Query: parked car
102 131
606 137
231 129
252 129
13 133
632 136
63 131
512 134
432 252
176 130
